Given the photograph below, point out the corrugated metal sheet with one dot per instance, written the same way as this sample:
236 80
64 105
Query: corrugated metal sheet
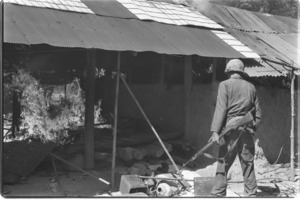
279 23
291 38
258 68
28 25
259 32
259 71
268 45
237 45
234 18
168 13
181 15
65 5
109 8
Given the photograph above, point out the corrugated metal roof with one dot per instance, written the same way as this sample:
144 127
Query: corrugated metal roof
29 25
279 23
168 13
182 15
234 18
237 45
258 32
258 68
65 5
259 71
291 38
269 46
109 8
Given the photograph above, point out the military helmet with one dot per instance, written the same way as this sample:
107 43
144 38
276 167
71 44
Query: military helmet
235 65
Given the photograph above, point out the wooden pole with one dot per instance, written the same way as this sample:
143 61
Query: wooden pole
89 109
115 122
292 122
188 82
298 120
16 113
163 62
1 99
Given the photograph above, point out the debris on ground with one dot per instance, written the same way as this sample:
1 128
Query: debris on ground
154 150
273 179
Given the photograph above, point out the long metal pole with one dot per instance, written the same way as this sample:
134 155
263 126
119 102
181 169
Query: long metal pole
292 122
115 123
151 126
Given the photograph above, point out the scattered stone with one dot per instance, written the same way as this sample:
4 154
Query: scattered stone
139 154
125 154
128 153
287 165
155 150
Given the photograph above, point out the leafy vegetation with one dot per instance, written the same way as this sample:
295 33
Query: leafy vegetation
48 113
287 8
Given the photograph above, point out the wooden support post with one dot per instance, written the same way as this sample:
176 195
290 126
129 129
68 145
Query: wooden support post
298 119
89 109
115 122
1 99
16 113
292 123
214 82
215 63
162 72
187 93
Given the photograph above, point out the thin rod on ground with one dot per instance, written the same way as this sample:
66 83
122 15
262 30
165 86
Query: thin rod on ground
82 170
164 178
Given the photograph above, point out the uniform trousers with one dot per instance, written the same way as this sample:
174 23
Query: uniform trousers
245 149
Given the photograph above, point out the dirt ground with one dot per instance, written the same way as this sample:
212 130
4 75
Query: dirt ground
273 180
63 180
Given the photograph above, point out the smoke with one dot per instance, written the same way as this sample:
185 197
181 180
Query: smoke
199 4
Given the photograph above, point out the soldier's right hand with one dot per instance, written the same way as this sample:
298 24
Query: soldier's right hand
214 138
